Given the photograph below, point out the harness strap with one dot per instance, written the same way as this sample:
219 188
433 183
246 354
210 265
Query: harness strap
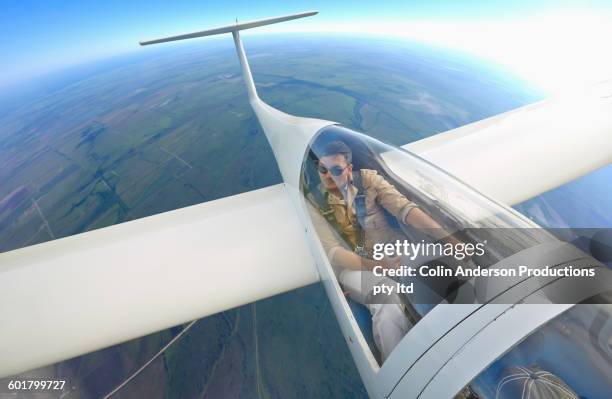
321 201
360 212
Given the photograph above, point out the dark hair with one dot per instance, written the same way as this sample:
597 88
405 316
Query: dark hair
338 147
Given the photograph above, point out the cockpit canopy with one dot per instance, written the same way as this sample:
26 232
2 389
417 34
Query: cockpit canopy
377 207
455 206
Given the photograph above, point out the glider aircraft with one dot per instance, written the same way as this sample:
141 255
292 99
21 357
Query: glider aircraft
103 287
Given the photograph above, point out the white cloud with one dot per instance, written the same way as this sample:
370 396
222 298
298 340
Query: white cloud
557 52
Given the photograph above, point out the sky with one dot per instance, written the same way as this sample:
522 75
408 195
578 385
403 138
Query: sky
556 45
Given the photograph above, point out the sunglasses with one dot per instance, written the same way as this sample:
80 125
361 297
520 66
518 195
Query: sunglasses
334 170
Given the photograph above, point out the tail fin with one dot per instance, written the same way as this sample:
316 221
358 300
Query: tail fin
246 71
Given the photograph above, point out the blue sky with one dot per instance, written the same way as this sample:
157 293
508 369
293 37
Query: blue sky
43 36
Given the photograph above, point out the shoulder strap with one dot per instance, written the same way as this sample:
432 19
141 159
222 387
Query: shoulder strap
360 212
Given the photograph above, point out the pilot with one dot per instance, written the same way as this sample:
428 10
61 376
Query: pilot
352 202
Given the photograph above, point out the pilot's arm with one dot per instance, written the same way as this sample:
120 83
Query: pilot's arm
387 195
401 207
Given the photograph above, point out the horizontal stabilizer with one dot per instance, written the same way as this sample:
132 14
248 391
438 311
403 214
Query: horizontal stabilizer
231 28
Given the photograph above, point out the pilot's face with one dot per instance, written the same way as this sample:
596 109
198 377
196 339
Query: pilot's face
334 171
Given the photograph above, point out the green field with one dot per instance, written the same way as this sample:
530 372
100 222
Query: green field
174 128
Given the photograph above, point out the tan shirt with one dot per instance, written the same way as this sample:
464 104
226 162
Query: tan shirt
379 194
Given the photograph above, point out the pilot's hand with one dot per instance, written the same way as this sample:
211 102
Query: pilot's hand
467 255
463 256
388 262
460 253
391 262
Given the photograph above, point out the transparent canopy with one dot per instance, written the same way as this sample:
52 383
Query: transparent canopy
376 207
393 181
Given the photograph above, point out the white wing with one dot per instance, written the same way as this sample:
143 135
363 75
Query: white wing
85 292
517 155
